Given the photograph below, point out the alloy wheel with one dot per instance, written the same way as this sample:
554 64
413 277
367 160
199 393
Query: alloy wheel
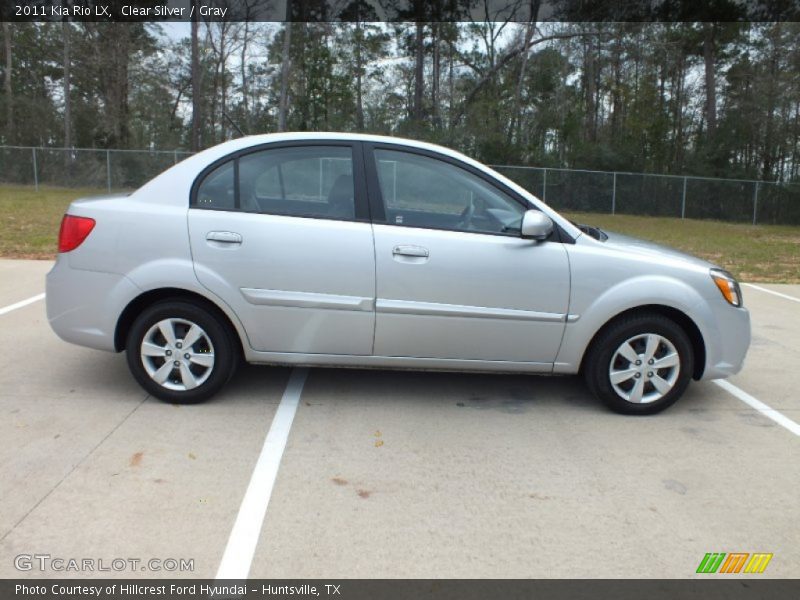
644 368
177 354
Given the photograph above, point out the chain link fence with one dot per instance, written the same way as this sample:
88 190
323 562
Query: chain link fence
645 194
82 167
689 197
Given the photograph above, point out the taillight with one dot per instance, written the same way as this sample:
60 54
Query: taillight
73 231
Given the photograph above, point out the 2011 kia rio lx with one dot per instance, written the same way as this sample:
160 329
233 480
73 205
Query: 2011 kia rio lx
366 251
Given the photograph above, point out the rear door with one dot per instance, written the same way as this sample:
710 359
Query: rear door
281 233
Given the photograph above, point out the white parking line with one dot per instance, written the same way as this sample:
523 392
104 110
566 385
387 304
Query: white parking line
774 293
246 530
765 410
20 304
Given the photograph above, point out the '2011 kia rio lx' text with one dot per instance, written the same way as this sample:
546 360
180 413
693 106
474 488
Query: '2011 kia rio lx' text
366 251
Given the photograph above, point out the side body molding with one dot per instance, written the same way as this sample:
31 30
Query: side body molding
407 307
306 299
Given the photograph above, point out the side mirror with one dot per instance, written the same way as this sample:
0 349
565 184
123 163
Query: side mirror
536 225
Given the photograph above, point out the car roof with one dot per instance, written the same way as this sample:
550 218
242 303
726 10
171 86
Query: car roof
293 136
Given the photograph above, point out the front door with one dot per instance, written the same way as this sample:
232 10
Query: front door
454 278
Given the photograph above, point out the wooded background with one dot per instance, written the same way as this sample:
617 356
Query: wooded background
715 99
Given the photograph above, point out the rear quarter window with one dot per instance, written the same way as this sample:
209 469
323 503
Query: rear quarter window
217 189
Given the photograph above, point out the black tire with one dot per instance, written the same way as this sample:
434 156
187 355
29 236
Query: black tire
598 362
222 341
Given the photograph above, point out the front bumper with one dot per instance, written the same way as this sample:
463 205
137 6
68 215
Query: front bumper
727 347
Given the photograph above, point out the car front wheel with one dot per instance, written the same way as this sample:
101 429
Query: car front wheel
180 352
640 364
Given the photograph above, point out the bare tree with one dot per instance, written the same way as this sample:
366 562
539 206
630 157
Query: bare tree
223 44
419 66
502 61
286 65
8 49
516 114
243 60
65 30
359 76
437 73
111 47
248 7
590 78
196 82
709 62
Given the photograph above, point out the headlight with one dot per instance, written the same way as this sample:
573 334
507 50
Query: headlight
728 286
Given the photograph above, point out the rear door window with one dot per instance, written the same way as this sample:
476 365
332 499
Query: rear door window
303 181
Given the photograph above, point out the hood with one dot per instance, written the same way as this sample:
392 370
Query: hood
632 245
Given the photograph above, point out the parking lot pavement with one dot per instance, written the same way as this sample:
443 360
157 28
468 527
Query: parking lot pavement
770 371
394 474
788 289
21 279
435 475
93 468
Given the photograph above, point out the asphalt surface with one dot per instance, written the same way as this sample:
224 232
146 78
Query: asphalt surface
391 474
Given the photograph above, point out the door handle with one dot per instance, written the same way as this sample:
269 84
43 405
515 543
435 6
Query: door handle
417 251
224 237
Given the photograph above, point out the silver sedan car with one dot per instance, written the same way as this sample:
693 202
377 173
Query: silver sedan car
365 251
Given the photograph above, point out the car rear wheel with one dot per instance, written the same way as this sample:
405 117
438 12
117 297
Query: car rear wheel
640 364
180 352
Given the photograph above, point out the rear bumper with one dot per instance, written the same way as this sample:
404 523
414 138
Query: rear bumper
83 307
